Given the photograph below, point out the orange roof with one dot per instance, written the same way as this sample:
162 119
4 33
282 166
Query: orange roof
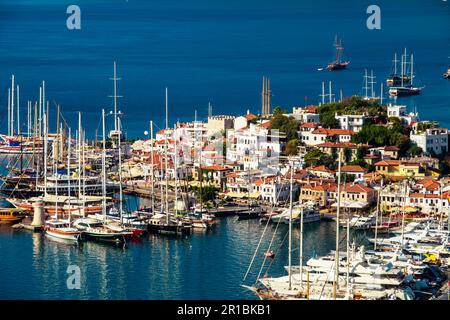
266 124
250 116
321 187
388 163
258 182
232 175
215 168
332 132
329 144
309 125
355 187
351 168
311 109
321 169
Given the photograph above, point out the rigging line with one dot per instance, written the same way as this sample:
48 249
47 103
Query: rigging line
270 245
260 239
270 264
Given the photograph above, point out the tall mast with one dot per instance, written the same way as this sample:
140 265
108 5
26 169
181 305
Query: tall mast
45 153
83 167
43 96
395 63
366 87
323 92
79 155
115 96
167 110
175 168
166 182
336 258
152 168
381 94
330 94
290 226
40 112
18 110
268 96
301 246
377 215
120 172
412 68
372 83
29 118
336 47
9 112
263 97
12 105
69 178
403 211
103 167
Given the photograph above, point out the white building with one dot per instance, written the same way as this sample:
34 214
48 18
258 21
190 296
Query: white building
276 191
353 122
314 136
434 139
254 147
400 112
304 115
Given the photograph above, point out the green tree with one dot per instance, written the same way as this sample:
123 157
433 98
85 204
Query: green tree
292 147
288 125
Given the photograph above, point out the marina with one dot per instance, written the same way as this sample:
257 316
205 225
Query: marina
343 194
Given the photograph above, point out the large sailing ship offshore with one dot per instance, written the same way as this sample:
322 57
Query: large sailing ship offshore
338 63
402 84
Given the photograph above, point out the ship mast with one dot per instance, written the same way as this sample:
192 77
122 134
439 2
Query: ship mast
336 257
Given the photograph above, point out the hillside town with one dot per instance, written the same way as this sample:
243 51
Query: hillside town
385 150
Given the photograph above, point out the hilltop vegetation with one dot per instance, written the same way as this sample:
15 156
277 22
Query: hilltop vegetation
353 105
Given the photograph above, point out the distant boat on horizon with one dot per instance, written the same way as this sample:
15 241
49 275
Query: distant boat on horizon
338 63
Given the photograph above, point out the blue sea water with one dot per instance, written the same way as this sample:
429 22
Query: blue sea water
208 265
202 51
216 51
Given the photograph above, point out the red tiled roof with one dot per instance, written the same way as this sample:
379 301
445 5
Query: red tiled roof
391 148
321 187
320 168
309 125
353 168
329 144
388 163
266 124
333 132
250 116
355 187
215 168
311 109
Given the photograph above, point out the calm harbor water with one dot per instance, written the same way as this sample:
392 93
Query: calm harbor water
203 266
203 51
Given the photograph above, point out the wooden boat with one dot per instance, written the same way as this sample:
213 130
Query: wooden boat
11 215
61 229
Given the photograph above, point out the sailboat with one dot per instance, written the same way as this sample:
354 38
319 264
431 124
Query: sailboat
93 229
164 222
61 229
338 63
405 87
395 78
